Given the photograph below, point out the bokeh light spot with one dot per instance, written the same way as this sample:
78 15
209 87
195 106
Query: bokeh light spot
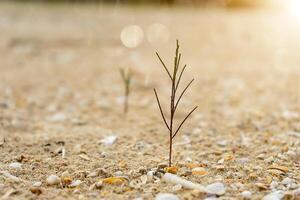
132 36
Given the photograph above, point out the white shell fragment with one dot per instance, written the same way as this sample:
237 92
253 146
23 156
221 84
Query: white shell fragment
246 194
294 133
75 183
84 157
109 140
37 184
166 196
63 153
174 179
15 165
287 181
92 175
53 180
10 176
58 117
217 188
277 195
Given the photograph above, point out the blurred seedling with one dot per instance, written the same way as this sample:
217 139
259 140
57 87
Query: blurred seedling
174 100
127 79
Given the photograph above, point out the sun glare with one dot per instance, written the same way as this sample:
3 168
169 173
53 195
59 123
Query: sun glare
294 8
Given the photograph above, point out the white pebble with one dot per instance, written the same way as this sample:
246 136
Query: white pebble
217 188
177 187
15 165
297 192
188 159
109 140
294 133
277 195
53 180
119 173
174 179
222 143
75 183
287 114
58 117
92 175
211 198
166 196
246 194
287 181
11 177
150 175
273 185
76 191
37 184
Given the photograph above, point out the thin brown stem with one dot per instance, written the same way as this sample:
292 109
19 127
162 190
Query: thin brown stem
184 121
161 111
162 62
178 81
170 150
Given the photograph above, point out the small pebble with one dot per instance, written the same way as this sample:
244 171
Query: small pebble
36 190
11 177
76 191
58 117
37 184
150 175
15 165
119 173
287 181
144 179
199 171
92 175
211 198
177 187
222 143
260 156
166 196
109 140
277 195
188 159
53 180
217 188
246 194
75 183
84 157
273 185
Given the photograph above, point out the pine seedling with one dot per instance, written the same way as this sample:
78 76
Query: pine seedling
127 78
174 100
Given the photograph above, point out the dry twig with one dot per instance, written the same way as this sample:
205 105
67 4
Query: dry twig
173 101
126 77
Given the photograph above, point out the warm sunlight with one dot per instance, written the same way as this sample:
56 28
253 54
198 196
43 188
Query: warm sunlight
294 8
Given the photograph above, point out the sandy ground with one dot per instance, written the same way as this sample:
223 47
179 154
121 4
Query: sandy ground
61 95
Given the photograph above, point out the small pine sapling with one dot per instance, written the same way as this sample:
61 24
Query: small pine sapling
127 78
174 100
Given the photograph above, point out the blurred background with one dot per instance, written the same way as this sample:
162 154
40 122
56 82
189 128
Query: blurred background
231 46
225 3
